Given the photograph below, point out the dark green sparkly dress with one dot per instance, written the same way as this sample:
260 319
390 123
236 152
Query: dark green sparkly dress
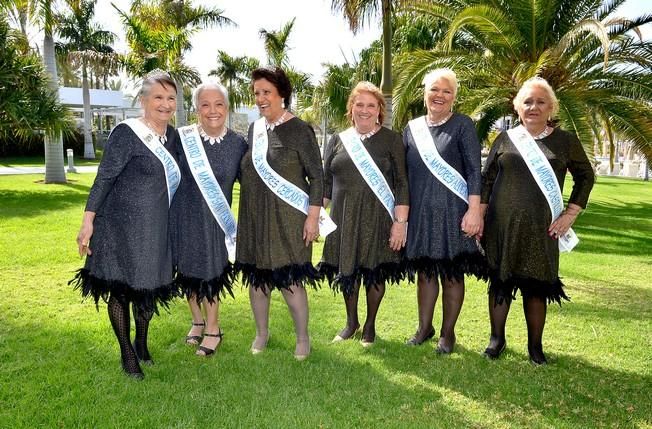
358 250
270 249
520 253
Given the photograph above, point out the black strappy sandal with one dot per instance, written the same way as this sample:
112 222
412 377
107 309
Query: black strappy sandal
194 340
209 352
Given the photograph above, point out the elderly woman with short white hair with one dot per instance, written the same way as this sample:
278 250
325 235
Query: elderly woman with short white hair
443 159
526 224
204 227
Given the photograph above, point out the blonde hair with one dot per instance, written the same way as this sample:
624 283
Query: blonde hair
538 82
372 89
434 75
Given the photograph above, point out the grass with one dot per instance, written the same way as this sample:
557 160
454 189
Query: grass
59 361
39 161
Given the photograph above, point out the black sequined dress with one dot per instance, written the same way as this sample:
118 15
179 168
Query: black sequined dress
270 249
436 245
520 253
131 254
358 250
199 252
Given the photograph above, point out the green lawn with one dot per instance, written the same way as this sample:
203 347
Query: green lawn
39 161
59 360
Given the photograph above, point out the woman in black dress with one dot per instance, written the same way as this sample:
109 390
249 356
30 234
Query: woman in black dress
365 247
200 253
521 236
442 229
274 238
124 232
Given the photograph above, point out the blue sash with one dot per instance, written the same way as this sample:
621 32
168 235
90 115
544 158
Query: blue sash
439 168
545 177
368 169
283 188
172 172
210 189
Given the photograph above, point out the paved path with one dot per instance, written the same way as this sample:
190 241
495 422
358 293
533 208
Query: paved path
4 171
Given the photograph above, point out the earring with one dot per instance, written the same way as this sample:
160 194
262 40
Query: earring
377 120
283 104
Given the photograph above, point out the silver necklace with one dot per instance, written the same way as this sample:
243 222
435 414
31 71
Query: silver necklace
162 138
210 139
276 123
545 133
365 136
438 123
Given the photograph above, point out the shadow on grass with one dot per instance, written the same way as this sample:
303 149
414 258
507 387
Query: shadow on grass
609 225
25 204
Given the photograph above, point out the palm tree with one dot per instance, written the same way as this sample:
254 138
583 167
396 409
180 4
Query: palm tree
357 12
159 34
597 64
235 72
276 44
85 43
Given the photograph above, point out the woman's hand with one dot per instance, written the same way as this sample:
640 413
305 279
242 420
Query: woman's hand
85 234
311 225
473 222
563 223
397 236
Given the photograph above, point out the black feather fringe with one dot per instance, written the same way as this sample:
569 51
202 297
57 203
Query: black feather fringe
455 269
506 290
145 300
279 278
207 289
388 271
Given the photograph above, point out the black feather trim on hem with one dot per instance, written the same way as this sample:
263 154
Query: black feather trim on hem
388 271
145 300
529 287
455 269
278 278
207 289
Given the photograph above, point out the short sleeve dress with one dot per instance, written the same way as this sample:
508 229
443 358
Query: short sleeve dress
436 245
271 251
131 253
520 253
199 252
358 250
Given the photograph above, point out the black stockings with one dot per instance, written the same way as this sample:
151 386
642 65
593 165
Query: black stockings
453 298
374 297
535 316
120 321
498 318
142 319
352 322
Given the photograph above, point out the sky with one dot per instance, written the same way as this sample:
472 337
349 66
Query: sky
319 36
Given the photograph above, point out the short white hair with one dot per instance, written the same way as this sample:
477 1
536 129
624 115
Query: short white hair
540 83
210 85
436 74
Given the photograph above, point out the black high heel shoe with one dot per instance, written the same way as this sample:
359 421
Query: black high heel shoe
209 352
414 342
131 368
194 340
145 358
537 358
495 352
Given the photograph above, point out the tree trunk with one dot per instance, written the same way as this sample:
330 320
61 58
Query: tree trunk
89 150
386 80
181 110
54 165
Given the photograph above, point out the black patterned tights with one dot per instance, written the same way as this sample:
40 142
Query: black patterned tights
120 321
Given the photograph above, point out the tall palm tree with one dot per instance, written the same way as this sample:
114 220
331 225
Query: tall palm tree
357 12
597 64
160 32
85 43
235 73
276 44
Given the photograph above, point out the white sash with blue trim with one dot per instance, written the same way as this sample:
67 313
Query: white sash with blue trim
283 188
439 168
545 177
368 169
210 189
172 172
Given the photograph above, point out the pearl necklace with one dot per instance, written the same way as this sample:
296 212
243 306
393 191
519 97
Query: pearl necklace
543 134
438 123
210 139
162 138
276 123
365 136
